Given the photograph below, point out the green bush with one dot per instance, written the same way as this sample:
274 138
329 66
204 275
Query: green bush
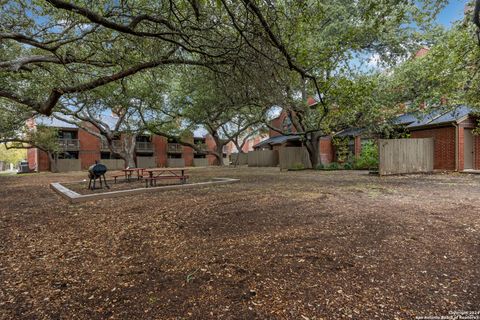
348 166
320 166
369 157
333 166
297 166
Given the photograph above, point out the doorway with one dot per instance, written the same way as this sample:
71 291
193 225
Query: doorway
467 149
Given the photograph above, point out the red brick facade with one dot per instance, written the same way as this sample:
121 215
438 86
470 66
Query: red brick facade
160 146
449 145
326 150
444 146
90 146
89 149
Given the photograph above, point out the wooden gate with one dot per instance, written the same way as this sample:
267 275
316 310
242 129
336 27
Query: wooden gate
405 156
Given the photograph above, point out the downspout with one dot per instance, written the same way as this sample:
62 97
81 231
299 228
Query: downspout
455 124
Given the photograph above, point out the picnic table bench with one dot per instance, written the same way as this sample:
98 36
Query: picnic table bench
164 174
127 173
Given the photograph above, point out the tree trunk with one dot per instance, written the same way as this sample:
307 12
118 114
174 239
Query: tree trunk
53 161
218 150
128 154
313 149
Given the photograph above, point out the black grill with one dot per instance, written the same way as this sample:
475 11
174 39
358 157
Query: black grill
97 171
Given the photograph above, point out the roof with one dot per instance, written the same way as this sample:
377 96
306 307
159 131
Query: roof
441 116
276 140
54 122
110 120
350 132
405 119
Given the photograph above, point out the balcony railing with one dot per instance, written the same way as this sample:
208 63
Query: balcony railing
174 148
117 145
201 147
144 146
69 144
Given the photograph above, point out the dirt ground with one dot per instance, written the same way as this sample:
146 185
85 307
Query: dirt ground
277 245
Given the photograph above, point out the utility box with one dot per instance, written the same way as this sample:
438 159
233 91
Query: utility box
23 167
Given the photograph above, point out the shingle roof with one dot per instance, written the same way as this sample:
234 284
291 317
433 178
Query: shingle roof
405 119
276 140
441 116
350 132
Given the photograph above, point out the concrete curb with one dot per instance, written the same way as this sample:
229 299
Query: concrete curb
75 197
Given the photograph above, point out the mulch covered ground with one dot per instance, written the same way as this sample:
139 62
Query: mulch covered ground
290 245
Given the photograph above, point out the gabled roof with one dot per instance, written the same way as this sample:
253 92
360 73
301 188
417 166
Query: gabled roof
405 119
276 140
350 132
441 116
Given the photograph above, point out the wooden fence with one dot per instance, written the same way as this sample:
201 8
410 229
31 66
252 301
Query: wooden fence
113 164
175 162
398 156
65 165
200 162
263 158
146 162
239 159
291 156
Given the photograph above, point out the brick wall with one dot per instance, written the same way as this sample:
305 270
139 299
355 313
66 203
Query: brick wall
444 146
278 123
160 147
476 148
89 149
188 154
210 146
326 150
43 161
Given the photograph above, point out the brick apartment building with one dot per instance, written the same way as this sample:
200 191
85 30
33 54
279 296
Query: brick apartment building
456 148
81 149
326 148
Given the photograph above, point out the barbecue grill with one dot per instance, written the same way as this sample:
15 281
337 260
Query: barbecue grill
97 171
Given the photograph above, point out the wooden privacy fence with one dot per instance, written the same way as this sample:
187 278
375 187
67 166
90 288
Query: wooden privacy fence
113 164
146 162
290 156
65 165
398 156
263 158
239 159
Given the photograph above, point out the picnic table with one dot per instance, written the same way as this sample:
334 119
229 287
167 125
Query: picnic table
129 171
165 173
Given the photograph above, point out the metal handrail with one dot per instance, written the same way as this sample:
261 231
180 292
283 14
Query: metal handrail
69 143
174 147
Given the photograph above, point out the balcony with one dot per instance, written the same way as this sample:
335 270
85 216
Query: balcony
144 146
201 147
69 144
117 145
174 148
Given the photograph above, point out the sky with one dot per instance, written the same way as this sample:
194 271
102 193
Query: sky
452 12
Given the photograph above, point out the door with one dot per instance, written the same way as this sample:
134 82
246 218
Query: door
467 149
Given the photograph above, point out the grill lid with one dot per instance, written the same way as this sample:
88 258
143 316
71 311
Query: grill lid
97 169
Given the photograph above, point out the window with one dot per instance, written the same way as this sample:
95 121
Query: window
108 155
68 155
287 125
144 139
175 156
68 135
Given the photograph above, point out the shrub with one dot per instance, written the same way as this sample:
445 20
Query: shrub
348 166
297 166
369 157
320 166
333 166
